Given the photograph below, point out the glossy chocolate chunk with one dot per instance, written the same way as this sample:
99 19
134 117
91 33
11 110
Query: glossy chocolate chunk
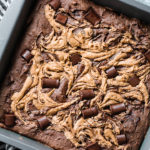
55 4
117 108
111 72
87 94
147 55
134 80
61 91
75 58
43 122
61 18
121 139
92 17
80 68
93 146
87 113
27 55
9 120
50 83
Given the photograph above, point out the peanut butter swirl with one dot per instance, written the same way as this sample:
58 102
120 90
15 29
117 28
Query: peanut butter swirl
77 38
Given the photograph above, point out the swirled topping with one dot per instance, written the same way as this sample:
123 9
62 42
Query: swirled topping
77 78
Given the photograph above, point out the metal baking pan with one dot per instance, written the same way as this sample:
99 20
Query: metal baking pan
10 27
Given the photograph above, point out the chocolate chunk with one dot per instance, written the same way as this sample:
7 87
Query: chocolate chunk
93 146
134 80
55 4
87 94
121 139
9 120
43 122
50 83
117 108
111 72
61 18
75 58
27 55
87 113
92 17
61 90
80 68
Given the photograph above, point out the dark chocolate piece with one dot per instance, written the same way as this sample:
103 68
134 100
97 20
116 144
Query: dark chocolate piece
87 94
93 146
111 72
75 58
92 17
80 68
90 112
55 4
117 108
9 120
27 55
43 122
61 90
50 83
147 55
134 80
61 18
121 139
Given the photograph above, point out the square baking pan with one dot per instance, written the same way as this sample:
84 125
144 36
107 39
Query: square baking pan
10 27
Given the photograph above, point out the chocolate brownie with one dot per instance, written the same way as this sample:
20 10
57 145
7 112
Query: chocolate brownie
80 78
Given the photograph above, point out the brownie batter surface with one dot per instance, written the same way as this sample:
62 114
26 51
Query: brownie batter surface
81 79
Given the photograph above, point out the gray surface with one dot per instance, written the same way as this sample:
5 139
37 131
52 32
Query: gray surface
145 2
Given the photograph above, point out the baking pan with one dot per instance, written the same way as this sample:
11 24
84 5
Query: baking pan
10 26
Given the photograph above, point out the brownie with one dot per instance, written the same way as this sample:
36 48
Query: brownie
80 78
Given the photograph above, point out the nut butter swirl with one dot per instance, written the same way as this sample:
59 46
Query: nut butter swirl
64 41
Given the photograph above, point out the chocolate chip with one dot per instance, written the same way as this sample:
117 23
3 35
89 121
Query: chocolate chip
55 4
75 58
80 68
9 120
61 18
87 94
43 122
117 108
27 55
50 83
92 17
134 80
87 113
111 72
93 146
121 139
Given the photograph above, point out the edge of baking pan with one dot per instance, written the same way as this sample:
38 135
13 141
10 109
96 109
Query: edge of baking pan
130 8
10 27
